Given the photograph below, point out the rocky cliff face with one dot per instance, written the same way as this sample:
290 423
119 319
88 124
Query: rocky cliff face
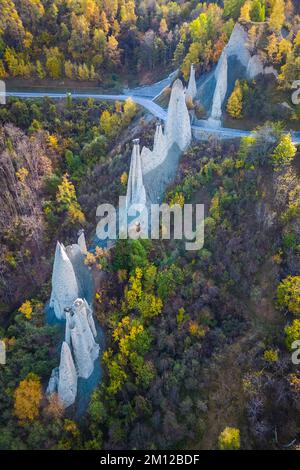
238 45
25 162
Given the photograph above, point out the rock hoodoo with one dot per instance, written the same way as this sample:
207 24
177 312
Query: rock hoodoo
78 352
80 329
79 349
81 242
63 380
192 87
67 377
178 124
220 90
64 282
136 193
158 166
159 139
152 159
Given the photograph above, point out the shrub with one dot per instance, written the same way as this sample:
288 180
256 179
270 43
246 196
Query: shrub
292 333
271 355
288 294
229 439
284 152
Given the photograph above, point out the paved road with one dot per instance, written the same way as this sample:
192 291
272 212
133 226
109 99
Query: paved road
146 103
200 131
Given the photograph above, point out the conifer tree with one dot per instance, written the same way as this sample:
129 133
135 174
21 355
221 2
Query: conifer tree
277 16
235 102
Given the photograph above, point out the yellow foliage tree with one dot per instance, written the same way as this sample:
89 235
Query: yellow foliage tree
288 294
129 110
245 11
3 73
110 123
28 396
229 439
145 301
284 50
284 152
177 199
277 16
272 47
26 309
163 27
124 178
22 174
235 102
196 330
117 375
297 39
66 197
53 142
271 355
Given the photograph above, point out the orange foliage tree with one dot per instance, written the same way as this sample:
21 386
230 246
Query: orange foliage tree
28 396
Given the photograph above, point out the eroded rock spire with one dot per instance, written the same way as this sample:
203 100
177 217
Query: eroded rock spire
67 377
80 332
220 90
81 242
159 138
64 282
192 87
136 193
178 125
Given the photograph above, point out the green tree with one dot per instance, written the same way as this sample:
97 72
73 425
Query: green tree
258 10
54 63
40 70
232 8
131 254
289 72
110 123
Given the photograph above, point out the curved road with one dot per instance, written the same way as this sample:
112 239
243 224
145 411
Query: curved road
200 131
